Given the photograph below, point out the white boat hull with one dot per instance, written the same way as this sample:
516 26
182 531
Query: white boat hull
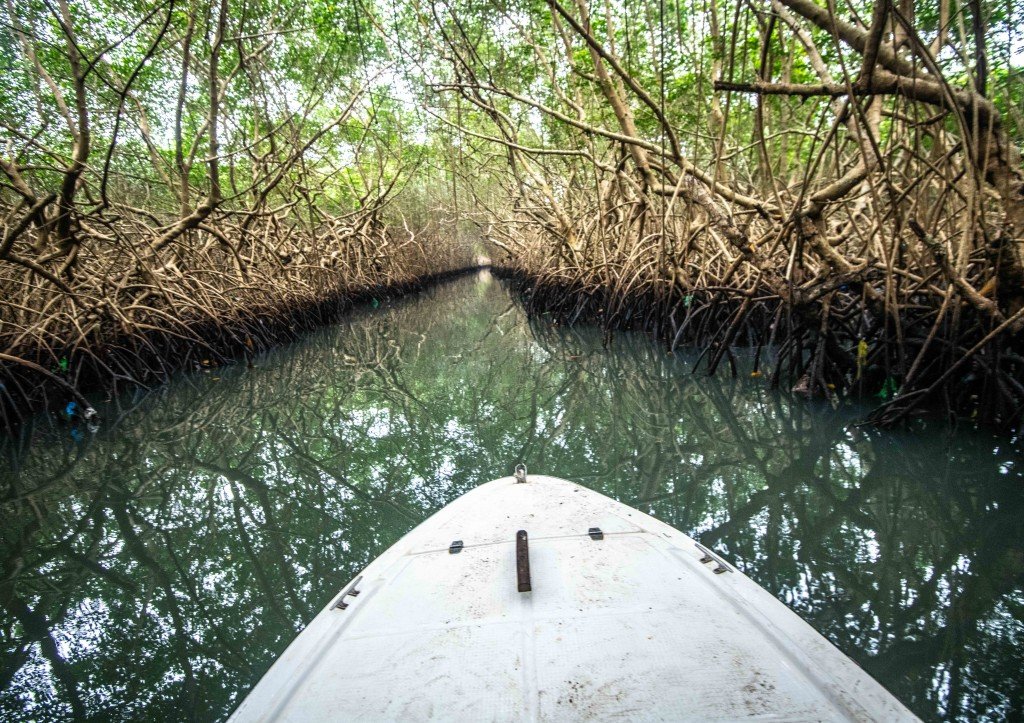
633 626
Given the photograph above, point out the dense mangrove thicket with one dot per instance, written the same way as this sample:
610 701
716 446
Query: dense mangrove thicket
183 181
838 181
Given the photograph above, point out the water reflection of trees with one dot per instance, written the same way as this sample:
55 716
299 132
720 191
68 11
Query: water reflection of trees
160 566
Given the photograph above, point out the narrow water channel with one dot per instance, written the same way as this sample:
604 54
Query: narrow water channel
156 567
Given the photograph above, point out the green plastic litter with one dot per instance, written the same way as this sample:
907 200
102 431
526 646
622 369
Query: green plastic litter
688 299
889 389
375 303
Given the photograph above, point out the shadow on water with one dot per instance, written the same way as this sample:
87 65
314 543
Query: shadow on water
158 567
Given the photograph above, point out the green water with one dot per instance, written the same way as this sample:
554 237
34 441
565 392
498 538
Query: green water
157 567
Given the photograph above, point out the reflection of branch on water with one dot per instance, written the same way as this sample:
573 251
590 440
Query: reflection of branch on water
355 490
38 629
140 552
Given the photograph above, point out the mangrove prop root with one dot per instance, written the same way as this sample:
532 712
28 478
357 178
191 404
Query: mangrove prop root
817 353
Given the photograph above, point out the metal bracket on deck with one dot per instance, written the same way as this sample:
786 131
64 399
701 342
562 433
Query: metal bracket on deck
595 533
522 562
709 556
350 591
455 548
520 473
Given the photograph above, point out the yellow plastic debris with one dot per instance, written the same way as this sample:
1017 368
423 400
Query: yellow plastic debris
862 356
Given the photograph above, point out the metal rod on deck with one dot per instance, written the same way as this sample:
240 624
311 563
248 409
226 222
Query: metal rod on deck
522 562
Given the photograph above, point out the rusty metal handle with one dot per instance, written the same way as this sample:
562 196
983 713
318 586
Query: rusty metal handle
522 562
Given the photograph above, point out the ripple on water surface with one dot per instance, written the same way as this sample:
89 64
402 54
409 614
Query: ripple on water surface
158 567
